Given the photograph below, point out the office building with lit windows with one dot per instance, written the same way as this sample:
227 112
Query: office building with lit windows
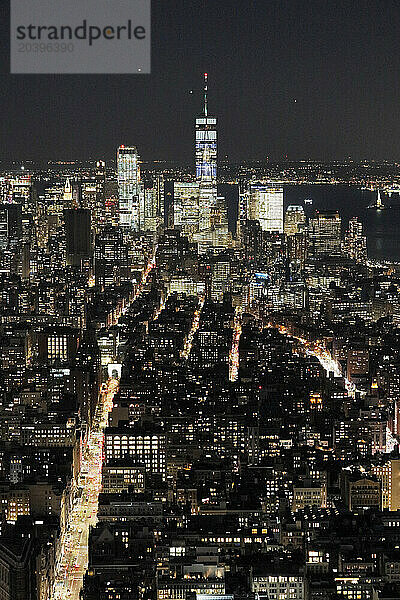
129 188
152 206
212 214
266 206
206 162
142 446
279 586
325 233
355 242
186 207
110 257
295 220
57 344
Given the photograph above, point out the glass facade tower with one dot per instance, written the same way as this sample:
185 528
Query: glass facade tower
128 187
206 162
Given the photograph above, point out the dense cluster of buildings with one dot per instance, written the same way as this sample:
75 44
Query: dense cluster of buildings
252 447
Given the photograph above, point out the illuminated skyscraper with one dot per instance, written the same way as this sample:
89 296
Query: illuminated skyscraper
355 241
295 219
266 206
100 179
297 247
20 191
197 210
67 197
153 206
206 162
129 187
99 219
110 258
212 215
206 143
325 233
186 207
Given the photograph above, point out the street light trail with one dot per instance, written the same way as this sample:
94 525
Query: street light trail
73 557
161 307
195 325
234 353
323 355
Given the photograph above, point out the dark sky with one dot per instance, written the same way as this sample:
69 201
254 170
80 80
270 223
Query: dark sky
339 60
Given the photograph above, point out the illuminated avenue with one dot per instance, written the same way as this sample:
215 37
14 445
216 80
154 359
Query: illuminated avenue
73 559
74 541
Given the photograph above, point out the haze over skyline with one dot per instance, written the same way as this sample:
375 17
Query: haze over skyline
318 81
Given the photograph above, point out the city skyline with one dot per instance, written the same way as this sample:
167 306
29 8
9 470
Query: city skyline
200 331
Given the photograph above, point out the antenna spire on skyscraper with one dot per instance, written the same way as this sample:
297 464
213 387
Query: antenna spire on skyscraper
205 94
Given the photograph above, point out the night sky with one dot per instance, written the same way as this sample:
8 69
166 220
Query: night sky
307 79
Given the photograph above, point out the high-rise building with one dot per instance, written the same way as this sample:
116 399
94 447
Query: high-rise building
290 585
100 196
153 206
85 375
111 213
20 192
100 180
16 553
3 226
295 219
252 241
77 235
359 492
266 206
243 208
110 257
355 241
10 225
197 209
206 162
67 195
186 206
325 233
221 275
297 247
357 363
129 188
206 142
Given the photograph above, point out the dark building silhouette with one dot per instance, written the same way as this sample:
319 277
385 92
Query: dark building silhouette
10 225
77 232
110 257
